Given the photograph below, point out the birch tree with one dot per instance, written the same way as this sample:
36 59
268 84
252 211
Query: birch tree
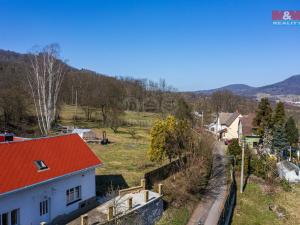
45 76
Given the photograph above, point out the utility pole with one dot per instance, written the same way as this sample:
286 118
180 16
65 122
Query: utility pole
242 166
76 105
72 98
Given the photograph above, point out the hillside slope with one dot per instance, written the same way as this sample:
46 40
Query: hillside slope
289 86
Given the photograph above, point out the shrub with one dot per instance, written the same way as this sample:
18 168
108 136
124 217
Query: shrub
234 148
285 185
263 166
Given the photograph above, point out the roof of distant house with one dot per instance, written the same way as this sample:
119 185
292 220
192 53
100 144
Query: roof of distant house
57 156
228 118
247 127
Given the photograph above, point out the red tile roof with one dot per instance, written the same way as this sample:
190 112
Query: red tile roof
62 154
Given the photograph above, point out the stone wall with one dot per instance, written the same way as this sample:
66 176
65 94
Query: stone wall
228 207
163 172
149 214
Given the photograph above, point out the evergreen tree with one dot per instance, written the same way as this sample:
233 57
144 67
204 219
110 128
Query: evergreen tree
279 115
280 142
263 118
291 131
234 148
183 110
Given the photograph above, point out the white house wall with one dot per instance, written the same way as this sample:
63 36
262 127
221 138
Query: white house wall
232 130
28 200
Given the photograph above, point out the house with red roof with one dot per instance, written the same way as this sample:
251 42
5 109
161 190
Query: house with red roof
44 179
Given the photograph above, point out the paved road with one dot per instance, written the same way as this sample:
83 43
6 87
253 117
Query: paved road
208 210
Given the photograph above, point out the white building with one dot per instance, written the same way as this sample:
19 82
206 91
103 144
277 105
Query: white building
226 125
81 132
288 171
86 134
45 178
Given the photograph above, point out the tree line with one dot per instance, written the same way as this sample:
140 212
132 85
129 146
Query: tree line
220 101
278 131
28 97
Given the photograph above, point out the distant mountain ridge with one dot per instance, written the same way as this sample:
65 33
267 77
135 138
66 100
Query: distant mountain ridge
239 89
289 86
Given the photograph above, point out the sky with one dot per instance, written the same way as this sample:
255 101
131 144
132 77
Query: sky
193 45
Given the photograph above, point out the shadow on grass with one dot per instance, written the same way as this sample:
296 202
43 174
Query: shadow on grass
106 183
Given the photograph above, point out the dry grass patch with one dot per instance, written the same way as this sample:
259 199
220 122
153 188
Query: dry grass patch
125 156
258 205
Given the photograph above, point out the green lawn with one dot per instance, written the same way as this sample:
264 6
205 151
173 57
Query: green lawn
175 216
252 206
125 156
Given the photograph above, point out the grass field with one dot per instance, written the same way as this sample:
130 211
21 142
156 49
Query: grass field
175 216
125 156
252 206
125 159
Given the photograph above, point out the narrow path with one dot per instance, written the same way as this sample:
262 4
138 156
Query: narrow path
209 208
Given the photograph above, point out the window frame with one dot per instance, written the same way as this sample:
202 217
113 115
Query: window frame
11 217
41 165
44 207
16 218
73 195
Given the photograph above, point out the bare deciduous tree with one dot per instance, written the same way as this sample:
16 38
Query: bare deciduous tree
45 78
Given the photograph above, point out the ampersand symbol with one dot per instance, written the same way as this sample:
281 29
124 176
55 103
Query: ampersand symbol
286 15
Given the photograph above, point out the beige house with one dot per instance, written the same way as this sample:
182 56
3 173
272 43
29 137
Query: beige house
226 125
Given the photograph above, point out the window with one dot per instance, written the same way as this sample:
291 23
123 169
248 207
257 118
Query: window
44 207
4 219
40 164
14 216
73 195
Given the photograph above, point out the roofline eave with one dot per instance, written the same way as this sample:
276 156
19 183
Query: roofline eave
50 180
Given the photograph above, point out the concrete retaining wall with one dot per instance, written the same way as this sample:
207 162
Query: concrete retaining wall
149 214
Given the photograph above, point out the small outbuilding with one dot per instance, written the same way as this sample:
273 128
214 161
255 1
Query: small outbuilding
87 135
288 171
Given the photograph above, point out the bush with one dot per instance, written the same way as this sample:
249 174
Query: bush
285 185
132 131
263 166
234 148
188 184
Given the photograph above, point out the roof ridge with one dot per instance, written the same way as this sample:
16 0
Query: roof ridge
37 139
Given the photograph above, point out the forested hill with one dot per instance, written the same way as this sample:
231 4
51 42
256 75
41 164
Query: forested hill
289 86
110 95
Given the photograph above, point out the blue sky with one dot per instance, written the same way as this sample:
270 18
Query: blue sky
192 44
